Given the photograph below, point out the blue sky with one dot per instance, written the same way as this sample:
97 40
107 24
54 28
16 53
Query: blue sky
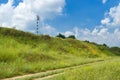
82 13
93 20
16 2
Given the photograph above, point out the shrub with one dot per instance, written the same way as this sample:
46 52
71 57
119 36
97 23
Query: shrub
87 41
61 36
72 36
105 45
115 50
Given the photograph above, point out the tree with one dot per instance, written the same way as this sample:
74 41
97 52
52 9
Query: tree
72 36
61 36
104 45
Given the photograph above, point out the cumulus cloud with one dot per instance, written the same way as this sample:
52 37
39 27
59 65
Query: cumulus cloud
47 29
112 17
105 21
23 16
6 13
100 36
68 33
104 1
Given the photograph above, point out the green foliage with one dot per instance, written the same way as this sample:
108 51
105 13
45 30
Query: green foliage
61 36
72 36
87 41
105 45
115 50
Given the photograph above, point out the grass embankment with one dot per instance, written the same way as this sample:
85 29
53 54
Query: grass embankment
23 53
107 70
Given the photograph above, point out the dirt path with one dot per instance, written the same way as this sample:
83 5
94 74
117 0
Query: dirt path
69 68
49 77
50 73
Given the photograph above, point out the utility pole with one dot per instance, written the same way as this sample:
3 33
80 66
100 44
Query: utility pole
37 29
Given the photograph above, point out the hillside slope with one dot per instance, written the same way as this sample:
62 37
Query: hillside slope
14 39
23 52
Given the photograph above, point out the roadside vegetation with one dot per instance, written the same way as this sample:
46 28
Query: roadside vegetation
107 70
23 53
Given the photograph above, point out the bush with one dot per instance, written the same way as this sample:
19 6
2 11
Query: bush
115 50
87 41
72 36
105 45
61 36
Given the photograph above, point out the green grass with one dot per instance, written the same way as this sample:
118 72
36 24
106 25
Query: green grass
20 67
107 70
23 53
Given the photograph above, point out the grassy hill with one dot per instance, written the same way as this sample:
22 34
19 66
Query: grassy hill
24 52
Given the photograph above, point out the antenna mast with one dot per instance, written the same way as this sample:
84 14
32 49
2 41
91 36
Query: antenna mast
37 29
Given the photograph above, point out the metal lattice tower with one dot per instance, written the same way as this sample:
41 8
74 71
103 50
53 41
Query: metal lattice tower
37 29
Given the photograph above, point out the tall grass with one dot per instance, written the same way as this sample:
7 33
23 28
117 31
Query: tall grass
109 70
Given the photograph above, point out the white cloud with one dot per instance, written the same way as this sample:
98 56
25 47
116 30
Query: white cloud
95 31
112 18
104 1
6 13
68 33
47 29
103 32
105 21
23 16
